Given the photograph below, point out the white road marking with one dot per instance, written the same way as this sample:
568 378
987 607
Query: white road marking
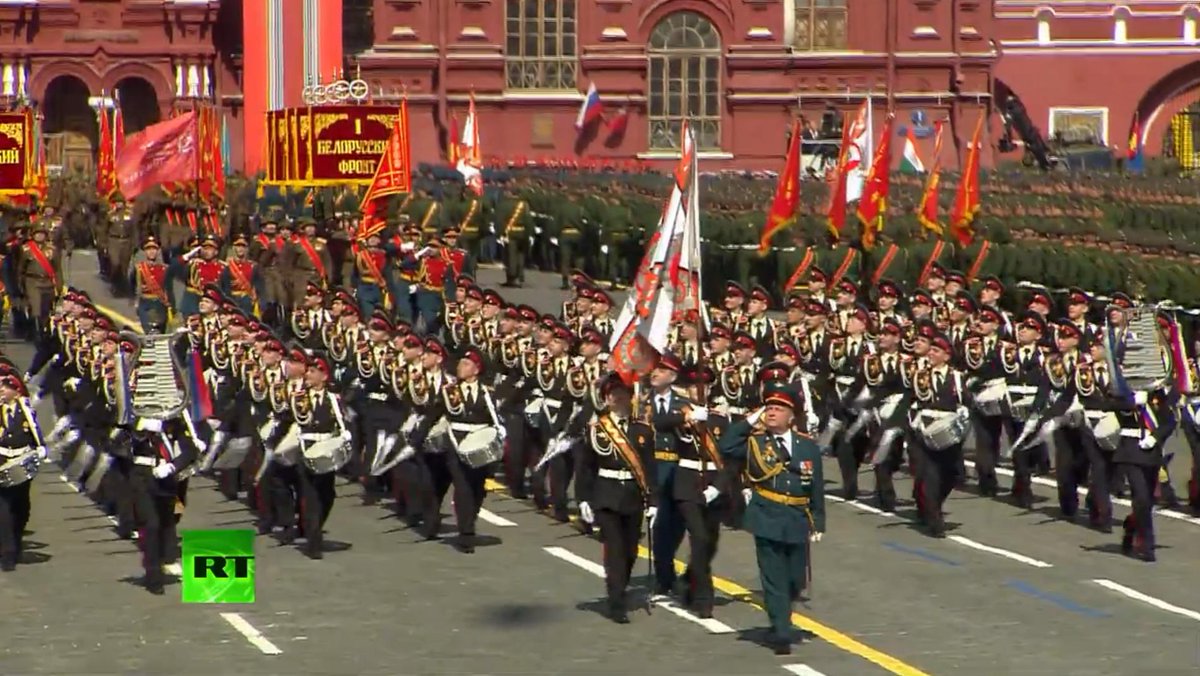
495 519
1147 599
1020 558
713 626
1050 483
251 634
802 670
966 542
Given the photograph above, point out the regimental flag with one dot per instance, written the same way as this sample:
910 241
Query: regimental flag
966 201
787 194
872 208
861 150
452 149
226 147
910 161
393 174
106 180
617 124
836 210
927 211
161 153
470 156
118 128
216 163
590 110
667 283
1134 152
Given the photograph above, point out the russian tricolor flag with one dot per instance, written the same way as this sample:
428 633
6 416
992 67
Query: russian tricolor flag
591 110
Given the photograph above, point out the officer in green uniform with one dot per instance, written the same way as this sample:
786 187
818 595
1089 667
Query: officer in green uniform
569 215
514 227
787 504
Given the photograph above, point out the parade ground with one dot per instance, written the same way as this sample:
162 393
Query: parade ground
1009 591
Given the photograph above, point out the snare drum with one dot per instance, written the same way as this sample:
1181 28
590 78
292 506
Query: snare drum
533 411
20 465
942 429
287 452
481 447
327 454
234 454
990 400
1106 430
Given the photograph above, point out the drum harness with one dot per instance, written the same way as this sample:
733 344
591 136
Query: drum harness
475 427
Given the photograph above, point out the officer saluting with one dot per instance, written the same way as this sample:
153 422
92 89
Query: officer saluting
787 504
149 282
614 487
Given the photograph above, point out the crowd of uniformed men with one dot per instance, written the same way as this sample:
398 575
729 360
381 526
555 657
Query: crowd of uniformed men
404 357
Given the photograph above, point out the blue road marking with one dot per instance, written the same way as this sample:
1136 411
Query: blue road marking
1061 602
922 553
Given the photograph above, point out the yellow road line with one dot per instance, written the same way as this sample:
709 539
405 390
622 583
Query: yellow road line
830 635
117 316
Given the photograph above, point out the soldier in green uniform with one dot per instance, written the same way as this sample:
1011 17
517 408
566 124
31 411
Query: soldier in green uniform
786 510
122 232
514 225
568 214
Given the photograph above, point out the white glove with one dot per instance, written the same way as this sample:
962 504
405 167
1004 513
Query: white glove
1050 426
814 423
346 436
406 453
164 470
586 513
815 537
962 412
698 414
746 493
651 513
753 418
562 446
1148 442
1140 398
502 434
43 452
711 493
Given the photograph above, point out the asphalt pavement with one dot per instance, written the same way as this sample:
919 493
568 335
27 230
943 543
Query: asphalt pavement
1010 591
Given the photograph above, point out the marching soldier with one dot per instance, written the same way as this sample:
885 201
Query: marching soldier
1146 424
371 284
154 293
120 243
197 272
758 325
160 449
615 487
20 435
787 504
318 412
40 277
241 280
939 391
306 259
266 250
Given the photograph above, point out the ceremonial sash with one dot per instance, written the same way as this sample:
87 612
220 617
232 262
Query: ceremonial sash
312 255
151 283
474 208
365 256
44 262
628 454
513 219
429 214
241 277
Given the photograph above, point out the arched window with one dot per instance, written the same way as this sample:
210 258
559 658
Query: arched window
540 48
358 26
685 81
820 25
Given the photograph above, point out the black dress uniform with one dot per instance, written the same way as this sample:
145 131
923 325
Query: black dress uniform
989 359
1144 429
319 414
19 434
939 389
159 450
614 482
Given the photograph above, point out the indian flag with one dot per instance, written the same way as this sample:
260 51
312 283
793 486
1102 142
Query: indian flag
910 162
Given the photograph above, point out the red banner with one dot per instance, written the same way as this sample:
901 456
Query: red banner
327 144
15 154
161 153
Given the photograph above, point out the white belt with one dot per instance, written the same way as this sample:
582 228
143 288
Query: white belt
146 460
698 465
996 381
378 396
13 452
845 380
1136 434
1094 414
317 436
737 410
552 403
1022 389
617 474
467 428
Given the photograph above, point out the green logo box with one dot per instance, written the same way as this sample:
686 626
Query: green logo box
218 566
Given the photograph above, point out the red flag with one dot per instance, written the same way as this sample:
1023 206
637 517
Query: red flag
452 142
872 207
618 123
163 152
393 174
118 131
927 212
105 161
787 194
966 201
836 210
217 165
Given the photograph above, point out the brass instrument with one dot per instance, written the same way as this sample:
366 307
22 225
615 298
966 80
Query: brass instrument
301 324
158 382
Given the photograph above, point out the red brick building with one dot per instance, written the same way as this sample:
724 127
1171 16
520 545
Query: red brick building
1096 64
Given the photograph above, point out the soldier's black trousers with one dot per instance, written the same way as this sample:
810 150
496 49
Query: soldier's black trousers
154 514
375 418
703 524
1102 469
988 431
1070 466
939 474
282 484
14 515
447 471
851 452
557 475
885 487
1142 479
619 535
317 494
